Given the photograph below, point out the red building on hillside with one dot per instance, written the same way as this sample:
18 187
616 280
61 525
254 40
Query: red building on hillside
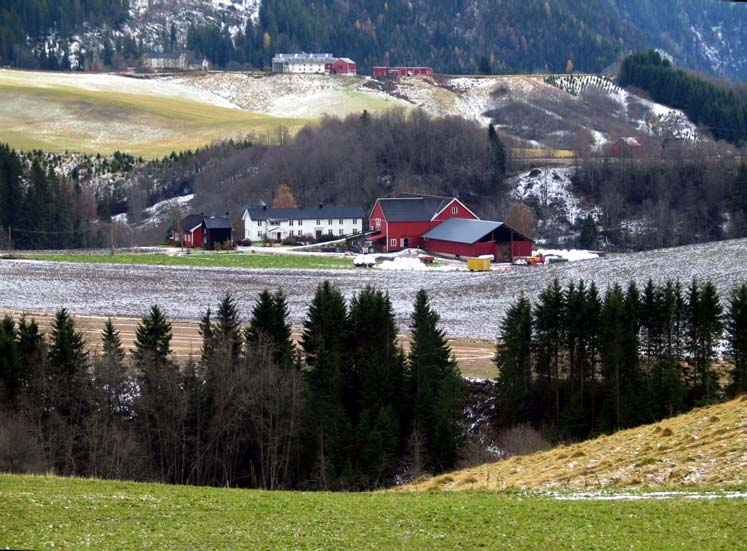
399 223
396 72
343 66
191 232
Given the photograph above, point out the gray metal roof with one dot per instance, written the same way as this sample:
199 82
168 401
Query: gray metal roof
304 213
412 209
191 222
221 223
461 230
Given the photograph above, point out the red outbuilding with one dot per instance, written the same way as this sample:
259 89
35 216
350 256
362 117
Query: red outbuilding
396 72
191 232
472 238
343 66
399 223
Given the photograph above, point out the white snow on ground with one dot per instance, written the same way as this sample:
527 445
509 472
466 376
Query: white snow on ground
470 304
643 496
107 83
659 117
571 255
159 212
551 187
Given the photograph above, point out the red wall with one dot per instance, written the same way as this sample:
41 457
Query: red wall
522 248
461 249
193 239
343 67
462 212
381 72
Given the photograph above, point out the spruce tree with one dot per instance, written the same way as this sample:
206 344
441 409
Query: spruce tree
152 340
736 330
325 344
513 359
548 327
110 371
269 325
11 380
436 384
611 354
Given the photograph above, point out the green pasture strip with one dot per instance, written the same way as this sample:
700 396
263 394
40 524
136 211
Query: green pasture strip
208 260
54 513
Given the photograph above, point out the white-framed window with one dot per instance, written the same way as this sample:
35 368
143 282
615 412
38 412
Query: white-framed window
329 222
454 210
393 242
290 222
341 232
299 222
340 221
356 221
259 223
377 223
329 232
318 222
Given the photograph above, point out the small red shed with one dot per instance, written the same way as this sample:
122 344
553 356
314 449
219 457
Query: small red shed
343 66
472 238
191 232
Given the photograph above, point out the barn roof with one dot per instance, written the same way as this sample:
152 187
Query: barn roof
221 223
190 222
462 230
412 209
304 213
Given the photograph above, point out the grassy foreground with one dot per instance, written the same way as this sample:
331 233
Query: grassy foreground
46 513
205 260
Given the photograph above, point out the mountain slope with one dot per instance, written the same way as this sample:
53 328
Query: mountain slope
706 447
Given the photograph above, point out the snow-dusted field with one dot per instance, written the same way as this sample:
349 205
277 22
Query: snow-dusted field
470 304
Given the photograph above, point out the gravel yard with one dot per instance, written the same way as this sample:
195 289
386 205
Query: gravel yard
471 305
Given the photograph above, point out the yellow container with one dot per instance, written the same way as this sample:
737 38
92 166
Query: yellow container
478 264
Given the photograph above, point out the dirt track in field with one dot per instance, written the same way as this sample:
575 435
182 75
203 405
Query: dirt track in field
474 355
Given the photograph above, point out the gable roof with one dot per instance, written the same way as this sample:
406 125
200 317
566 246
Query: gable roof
412 209
303 213
189 223
221 223
462 230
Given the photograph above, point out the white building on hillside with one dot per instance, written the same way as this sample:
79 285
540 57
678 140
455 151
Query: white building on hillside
263 223
302 63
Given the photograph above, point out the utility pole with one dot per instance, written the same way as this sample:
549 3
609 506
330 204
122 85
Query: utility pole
111 237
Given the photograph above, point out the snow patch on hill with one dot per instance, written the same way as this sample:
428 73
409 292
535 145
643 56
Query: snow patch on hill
551 187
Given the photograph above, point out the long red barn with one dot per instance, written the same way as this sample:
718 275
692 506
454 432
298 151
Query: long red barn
396 72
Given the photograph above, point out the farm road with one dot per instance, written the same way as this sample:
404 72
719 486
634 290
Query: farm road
471 305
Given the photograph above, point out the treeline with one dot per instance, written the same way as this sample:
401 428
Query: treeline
687 197
445 34
43 210
345 409
581 364
360 158
721 111
23 22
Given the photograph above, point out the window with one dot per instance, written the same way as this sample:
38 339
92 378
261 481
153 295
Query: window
340 232
356 221
454 210
329 231
393 243
259 223
318 222
340 221
329 222
299 222
290 223
378 223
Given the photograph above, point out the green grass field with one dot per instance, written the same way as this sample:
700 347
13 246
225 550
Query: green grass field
209 260
104 113
53 513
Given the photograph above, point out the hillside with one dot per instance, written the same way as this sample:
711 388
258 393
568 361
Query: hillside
461 36
74 514
59 112
154 116
706 447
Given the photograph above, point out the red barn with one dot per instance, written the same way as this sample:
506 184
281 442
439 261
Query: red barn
628 148
343 66
191 228
462 237
400 222
396 72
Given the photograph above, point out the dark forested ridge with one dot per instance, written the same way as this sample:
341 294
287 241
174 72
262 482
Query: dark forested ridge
25 23
721 111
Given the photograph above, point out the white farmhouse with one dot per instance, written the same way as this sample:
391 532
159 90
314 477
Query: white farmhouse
302 63
263 223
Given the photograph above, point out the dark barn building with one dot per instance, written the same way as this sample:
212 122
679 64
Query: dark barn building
216 231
